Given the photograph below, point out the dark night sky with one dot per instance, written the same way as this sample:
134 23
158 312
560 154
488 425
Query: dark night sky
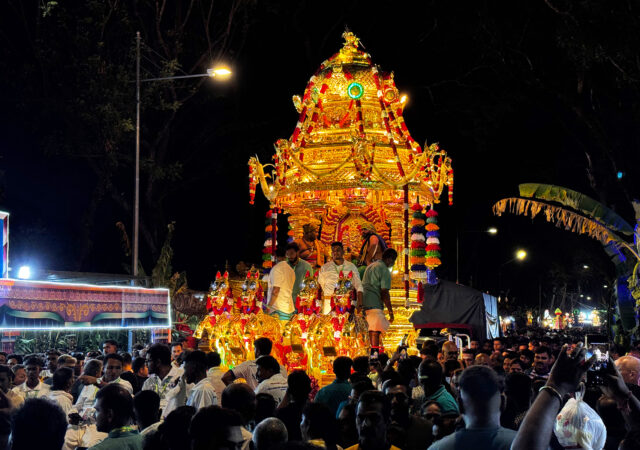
488 81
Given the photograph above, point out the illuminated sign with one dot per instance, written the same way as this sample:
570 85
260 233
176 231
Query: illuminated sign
37 305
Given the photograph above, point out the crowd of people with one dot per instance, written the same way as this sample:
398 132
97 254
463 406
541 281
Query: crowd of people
520 393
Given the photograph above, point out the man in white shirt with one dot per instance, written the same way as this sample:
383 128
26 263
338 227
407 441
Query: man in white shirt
82 431
32 387
282 278
163 378
52 365
215 373
60 389
248 369
271 380
330 274
112 370
195 371
176 351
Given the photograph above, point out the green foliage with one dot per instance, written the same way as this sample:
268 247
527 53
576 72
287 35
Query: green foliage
82 341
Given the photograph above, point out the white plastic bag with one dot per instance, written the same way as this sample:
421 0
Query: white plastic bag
578 424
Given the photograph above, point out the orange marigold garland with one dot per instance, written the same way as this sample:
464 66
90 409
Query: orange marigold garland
417 253
433 241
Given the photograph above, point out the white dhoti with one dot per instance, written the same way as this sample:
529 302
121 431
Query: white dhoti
376 320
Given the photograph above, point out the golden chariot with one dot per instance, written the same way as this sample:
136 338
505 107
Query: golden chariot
349 161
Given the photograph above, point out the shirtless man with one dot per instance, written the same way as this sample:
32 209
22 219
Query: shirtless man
312 249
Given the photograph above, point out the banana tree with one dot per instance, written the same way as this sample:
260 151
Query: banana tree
579 213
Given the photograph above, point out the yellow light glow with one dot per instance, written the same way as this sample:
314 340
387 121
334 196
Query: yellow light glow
404 98
492 230
521 254
220 72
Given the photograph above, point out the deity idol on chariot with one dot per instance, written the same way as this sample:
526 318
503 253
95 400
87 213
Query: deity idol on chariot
296 332
219 306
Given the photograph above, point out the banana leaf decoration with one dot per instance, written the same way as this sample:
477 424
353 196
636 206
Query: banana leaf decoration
581 214
578 201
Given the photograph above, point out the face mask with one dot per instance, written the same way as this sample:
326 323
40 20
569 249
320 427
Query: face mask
448 379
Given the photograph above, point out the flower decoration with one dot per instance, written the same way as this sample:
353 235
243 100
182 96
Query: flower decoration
418 252
269 234
432 249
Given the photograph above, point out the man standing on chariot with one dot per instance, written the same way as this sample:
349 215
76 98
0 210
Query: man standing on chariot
373 245
312 250
330 274
377 283
286 283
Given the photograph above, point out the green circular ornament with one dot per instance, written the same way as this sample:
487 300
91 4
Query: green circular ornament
355 90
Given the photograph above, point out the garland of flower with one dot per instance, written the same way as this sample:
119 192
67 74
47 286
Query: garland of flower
417 253
433 244
269 234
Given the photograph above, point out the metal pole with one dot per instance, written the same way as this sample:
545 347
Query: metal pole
136 201
406 244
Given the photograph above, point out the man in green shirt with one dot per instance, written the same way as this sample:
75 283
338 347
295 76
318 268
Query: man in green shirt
377 283
299 266
340 389
115 411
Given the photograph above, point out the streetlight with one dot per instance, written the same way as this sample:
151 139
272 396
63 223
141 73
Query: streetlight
492 231
219 72
520 255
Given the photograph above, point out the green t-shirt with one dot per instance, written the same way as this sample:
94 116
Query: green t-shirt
376 277
300 269
120 440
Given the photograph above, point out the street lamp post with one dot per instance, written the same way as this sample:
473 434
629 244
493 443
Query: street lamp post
220 72
520 255
492 231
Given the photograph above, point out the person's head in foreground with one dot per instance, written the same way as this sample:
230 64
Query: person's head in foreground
299 386
240 397
269 434
267 367
146 408
372 419
318 422
389 257
195 366
62 379
480 398
430 376
114 406
39 424
216 428
629 368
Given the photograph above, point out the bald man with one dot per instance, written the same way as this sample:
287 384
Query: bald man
450 351
629 368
